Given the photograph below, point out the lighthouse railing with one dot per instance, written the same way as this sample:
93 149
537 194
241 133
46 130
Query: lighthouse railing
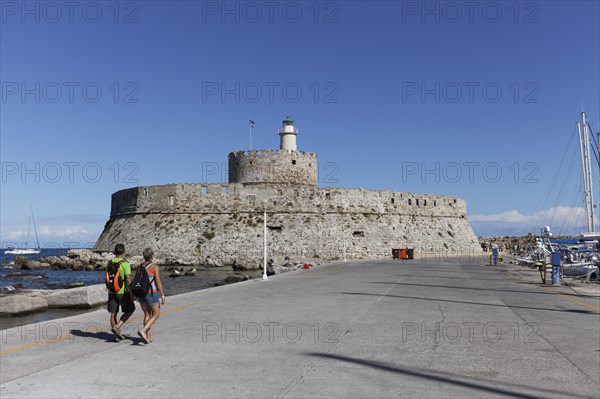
283 130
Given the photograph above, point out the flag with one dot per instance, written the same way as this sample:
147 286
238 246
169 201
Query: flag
251 123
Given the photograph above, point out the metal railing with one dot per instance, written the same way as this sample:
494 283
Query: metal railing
282 130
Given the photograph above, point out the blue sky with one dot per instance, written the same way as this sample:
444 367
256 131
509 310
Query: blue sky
104 96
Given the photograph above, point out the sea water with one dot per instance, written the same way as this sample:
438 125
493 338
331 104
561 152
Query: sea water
44 278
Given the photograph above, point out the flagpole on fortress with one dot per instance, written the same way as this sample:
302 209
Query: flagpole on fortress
251 123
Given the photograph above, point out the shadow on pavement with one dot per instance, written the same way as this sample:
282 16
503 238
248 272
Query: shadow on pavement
483 289
575 311
105 336
448 277
99 335
447 378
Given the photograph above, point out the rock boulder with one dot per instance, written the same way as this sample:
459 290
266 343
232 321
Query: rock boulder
10 288
35 265
83 297
14 305
235 278
20 262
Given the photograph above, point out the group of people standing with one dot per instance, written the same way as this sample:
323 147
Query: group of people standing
124 299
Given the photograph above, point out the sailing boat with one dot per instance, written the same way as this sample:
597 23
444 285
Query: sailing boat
27 251
586 164
582 260
585 262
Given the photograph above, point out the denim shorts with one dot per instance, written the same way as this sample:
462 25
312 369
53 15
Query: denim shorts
150 298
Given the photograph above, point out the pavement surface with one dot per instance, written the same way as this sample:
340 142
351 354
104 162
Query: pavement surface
420 329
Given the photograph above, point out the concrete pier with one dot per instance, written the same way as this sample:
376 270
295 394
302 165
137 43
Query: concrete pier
422 328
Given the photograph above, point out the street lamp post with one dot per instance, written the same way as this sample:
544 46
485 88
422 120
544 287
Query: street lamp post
264 207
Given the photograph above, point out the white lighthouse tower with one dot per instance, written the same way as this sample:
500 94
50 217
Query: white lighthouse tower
288 135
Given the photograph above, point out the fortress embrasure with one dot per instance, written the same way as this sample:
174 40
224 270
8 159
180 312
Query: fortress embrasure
191 223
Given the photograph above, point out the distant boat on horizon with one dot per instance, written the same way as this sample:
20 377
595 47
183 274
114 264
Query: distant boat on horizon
27 251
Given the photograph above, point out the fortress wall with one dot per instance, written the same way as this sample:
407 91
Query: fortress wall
124 201
237 238
186 223
237 198
268 167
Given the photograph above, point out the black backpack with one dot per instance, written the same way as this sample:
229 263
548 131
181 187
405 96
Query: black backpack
113 278
140 285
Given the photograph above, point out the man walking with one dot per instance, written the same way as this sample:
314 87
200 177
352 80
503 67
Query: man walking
118 280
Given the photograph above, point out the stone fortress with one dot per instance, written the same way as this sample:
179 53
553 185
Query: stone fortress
222 224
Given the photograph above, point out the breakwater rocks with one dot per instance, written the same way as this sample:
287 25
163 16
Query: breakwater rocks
29 301
514 244
506 243
76 259
88 260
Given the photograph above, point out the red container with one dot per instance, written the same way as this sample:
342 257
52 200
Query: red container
403 253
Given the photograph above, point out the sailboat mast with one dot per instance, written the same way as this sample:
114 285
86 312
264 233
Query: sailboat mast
589 167
584 147
28 231
37 241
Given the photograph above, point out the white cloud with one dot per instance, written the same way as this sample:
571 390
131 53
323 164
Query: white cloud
508 216
50 233
73 231
16 235
72 218
562 220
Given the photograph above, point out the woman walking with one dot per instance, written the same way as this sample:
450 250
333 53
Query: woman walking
151 302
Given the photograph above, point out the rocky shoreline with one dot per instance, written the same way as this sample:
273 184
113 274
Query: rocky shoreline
16 300
76 259
88 260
